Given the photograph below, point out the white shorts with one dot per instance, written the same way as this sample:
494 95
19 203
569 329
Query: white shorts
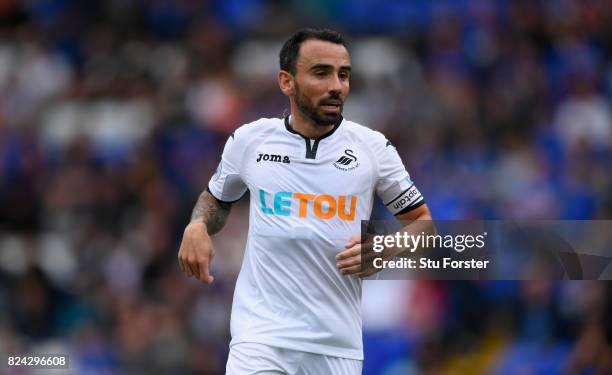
250 358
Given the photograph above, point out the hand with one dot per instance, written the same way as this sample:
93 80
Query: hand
196 252
350 259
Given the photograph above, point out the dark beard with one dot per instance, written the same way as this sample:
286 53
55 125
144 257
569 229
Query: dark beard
318 118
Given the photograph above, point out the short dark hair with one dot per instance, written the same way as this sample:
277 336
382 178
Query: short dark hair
291 48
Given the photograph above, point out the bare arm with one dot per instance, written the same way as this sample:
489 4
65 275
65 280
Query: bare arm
211 212
195 255
350 259
419 213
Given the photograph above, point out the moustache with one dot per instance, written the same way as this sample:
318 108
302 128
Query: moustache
331 101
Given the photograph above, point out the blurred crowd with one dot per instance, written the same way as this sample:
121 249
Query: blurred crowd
113 115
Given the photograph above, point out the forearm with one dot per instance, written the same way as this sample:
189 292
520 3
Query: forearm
411 240
415 224
210 212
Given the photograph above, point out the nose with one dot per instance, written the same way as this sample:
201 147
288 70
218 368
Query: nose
335 85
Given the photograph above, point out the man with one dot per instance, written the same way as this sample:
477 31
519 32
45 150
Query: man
312 178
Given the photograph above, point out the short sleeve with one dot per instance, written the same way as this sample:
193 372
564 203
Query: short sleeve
394 186
227 184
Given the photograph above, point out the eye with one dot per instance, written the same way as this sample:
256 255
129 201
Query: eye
344 75
320 73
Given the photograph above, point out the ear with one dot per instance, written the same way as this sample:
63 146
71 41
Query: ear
285 81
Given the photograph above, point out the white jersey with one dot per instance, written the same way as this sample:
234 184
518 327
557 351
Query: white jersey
308 198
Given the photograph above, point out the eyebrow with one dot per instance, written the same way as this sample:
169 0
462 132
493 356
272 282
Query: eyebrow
327 66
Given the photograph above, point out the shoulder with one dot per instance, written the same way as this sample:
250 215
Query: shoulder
372 138
255 129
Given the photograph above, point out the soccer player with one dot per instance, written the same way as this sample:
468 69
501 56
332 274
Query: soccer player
312 177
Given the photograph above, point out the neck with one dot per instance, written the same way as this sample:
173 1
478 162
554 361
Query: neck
303 125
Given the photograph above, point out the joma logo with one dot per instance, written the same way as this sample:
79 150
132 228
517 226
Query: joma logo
273 157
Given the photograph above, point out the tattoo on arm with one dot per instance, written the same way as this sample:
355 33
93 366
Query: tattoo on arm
210 211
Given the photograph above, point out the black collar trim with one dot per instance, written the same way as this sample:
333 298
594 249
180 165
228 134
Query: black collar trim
291 130
311 148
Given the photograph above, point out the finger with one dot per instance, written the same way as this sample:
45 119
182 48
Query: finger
180 262
193 267
353 241
349 262
367 259
205 275
367 273
349 253
367 269
183 265
185 268
351 270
